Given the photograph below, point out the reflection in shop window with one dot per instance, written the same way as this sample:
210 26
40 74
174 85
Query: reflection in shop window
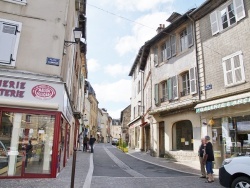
16 130
183 135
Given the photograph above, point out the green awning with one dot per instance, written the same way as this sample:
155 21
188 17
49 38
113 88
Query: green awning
223 103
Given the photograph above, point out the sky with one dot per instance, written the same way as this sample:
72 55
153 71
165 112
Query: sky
116 29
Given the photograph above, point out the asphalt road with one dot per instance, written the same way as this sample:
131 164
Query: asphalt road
113 168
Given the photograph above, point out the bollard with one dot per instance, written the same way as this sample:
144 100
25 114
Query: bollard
73 168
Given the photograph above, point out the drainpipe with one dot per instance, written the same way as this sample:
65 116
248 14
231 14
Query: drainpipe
196 52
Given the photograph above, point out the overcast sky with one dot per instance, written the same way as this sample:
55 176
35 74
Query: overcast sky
116 29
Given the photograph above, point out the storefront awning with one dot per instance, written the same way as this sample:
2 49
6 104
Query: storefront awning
223 103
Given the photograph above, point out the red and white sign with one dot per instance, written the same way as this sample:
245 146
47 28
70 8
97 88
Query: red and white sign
43 92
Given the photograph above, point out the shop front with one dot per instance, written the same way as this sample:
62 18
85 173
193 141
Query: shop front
227 122
35 124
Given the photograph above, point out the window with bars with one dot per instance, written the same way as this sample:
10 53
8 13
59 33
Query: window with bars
233 69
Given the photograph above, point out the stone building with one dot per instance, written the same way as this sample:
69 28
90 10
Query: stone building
41 83
222 30
125 119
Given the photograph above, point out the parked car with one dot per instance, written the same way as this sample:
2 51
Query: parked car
114 141
235 172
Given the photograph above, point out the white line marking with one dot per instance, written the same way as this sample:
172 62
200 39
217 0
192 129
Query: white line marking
88 179
163 166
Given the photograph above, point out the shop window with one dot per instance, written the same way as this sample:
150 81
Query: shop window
16 131
183 135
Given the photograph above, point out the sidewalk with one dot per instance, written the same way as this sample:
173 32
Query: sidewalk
63 180
183 166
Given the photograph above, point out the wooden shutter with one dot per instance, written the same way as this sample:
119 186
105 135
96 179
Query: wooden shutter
170 90
190 35
173 45
214 23
175 87
7 42
228 73
155 56
238 68
168 46
156 94
192 80
239 9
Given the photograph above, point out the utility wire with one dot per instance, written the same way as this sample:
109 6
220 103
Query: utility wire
142 24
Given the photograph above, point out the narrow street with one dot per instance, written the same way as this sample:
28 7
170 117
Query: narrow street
113 168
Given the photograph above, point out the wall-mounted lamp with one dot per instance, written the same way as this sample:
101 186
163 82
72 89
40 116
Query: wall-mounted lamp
77 36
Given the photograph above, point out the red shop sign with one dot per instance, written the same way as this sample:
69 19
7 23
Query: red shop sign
43 92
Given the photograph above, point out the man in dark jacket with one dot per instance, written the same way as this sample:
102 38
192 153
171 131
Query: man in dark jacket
208 159
91 143
28 150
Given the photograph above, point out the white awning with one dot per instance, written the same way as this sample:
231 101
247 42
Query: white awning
223 103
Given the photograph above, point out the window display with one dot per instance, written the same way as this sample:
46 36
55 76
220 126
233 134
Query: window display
26 142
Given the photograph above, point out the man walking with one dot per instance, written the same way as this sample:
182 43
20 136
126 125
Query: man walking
201 155
208 159
91 143
85 143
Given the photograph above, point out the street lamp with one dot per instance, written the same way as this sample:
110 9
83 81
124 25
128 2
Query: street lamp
141 107
77 36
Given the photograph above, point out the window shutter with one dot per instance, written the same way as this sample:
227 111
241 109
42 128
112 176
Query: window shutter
239 9
156 59
8 41
173 44
156 93
228 74
169 84
214 23
175 87
192 80
238 69
190 35
168 45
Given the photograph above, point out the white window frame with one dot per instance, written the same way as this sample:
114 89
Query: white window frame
18 33
155 59
215 16
239 53
20 2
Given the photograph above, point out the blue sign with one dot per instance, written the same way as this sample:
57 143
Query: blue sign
52 61
208 87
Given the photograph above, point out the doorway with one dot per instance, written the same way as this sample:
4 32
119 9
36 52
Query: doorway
161 139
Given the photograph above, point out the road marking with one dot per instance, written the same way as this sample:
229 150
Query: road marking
88 178
122 165
163 166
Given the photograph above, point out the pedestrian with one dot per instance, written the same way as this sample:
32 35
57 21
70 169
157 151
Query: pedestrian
85 143
91 143
201 155
79 141
28 150
208 159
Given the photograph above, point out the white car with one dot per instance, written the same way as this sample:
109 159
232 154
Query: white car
235 172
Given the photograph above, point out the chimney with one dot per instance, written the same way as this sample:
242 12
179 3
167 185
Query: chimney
160 28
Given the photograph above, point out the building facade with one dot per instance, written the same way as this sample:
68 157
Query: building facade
38 105
125 119
224 57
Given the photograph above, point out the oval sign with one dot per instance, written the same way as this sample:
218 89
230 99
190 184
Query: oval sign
43 92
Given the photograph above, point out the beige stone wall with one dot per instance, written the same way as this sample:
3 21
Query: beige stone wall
234 38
